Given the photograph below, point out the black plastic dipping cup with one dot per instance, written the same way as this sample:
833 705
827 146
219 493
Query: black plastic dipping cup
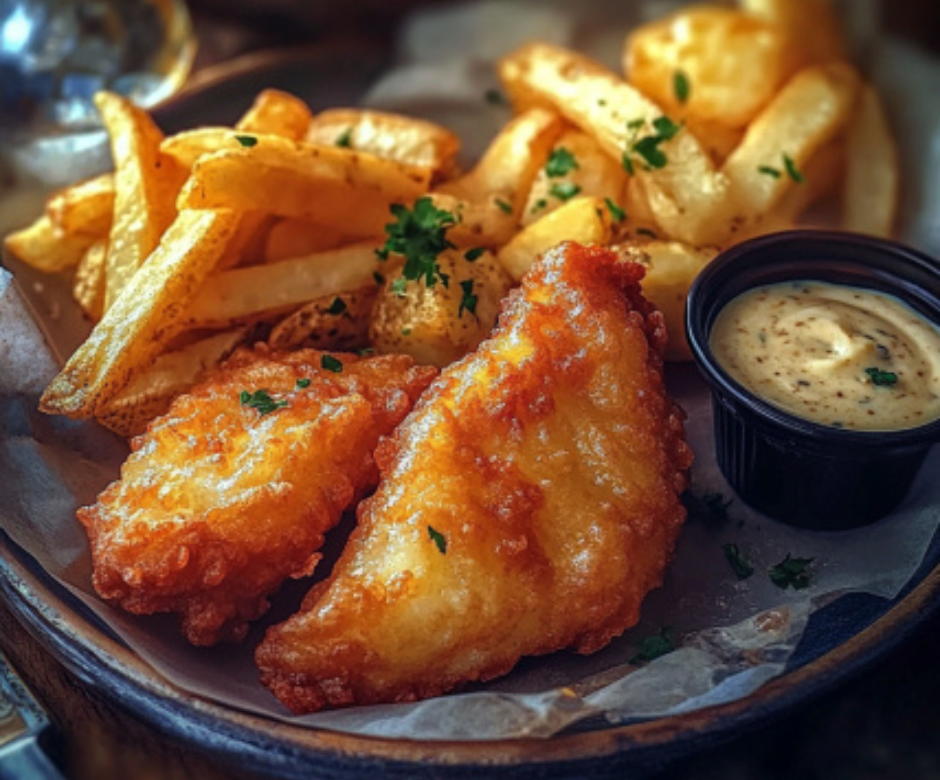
784 466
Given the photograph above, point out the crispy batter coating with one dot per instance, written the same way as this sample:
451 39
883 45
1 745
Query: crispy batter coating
221 501
527 504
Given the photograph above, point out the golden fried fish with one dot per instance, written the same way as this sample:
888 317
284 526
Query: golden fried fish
527 504
230 493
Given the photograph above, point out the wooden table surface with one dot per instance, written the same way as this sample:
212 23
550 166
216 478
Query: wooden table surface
883 724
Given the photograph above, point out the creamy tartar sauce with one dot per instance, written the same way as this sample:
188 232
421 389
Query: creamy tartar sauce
835 355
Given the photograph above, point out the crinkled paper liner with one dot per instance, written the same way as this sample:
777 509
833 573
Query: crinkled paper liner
732 636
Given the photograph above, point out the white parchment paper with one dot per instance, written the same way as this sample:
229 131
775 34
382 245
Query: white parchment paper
732 635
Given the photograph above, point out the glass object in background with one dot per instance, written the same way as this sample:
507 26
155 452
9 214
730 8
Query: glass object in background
54 56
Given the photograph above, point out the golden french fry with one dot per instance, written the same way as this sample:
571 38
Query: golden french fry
295 237
277 113
808 112
45 247
671 267
811 28
709 64
685 191
718 140
436 325
85 207
392 136
582 219
331 186
88 284
337 322
145 186
135 329
576 166
151 392
871 184
504 174
242 294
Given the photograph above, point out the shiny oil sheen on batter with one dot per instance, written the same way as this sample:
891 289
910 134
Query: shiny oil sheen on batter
835 355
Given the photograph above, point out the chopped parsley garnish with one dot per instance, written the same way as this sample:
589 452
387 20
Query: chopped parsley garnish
344 139
792 171
406 331
564 190
399 285
246 140
769 171
302 383
653 647
560 162
881 378
711 508
469 301
438 538
418 235
540 204
791 573
646 232
494 97
504 206
737 561
261 401
618 214
331 363
681 86
365 351
337 307
647 147
472 255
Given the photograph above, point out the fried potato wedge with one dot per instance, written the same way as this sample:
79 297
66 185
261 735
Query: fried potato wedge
671 267
576 166
140 323
44 247
392 136
811 28
336 322
439 324
807 113
84 208
500 182
872 179
327 185
145 187
88 284
583 219
708 63
685 192
243 294
277 113
151 392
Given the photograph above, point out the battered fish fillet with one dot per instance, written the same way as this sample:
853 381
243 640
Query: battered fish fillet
527 504
231 492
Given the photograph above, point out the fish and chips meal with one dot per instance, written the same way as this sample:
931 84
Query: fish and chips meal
311 314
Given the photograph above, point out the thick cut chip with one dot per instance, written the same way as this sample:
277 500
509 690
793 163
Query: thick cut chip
713 64
809 111
293 237
145 187
243 294
871 183
277 113
84 208
327 185
230 493
582 219
88 284
811 27
334 322
141 323
393 136
685 192
528 504
44 247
